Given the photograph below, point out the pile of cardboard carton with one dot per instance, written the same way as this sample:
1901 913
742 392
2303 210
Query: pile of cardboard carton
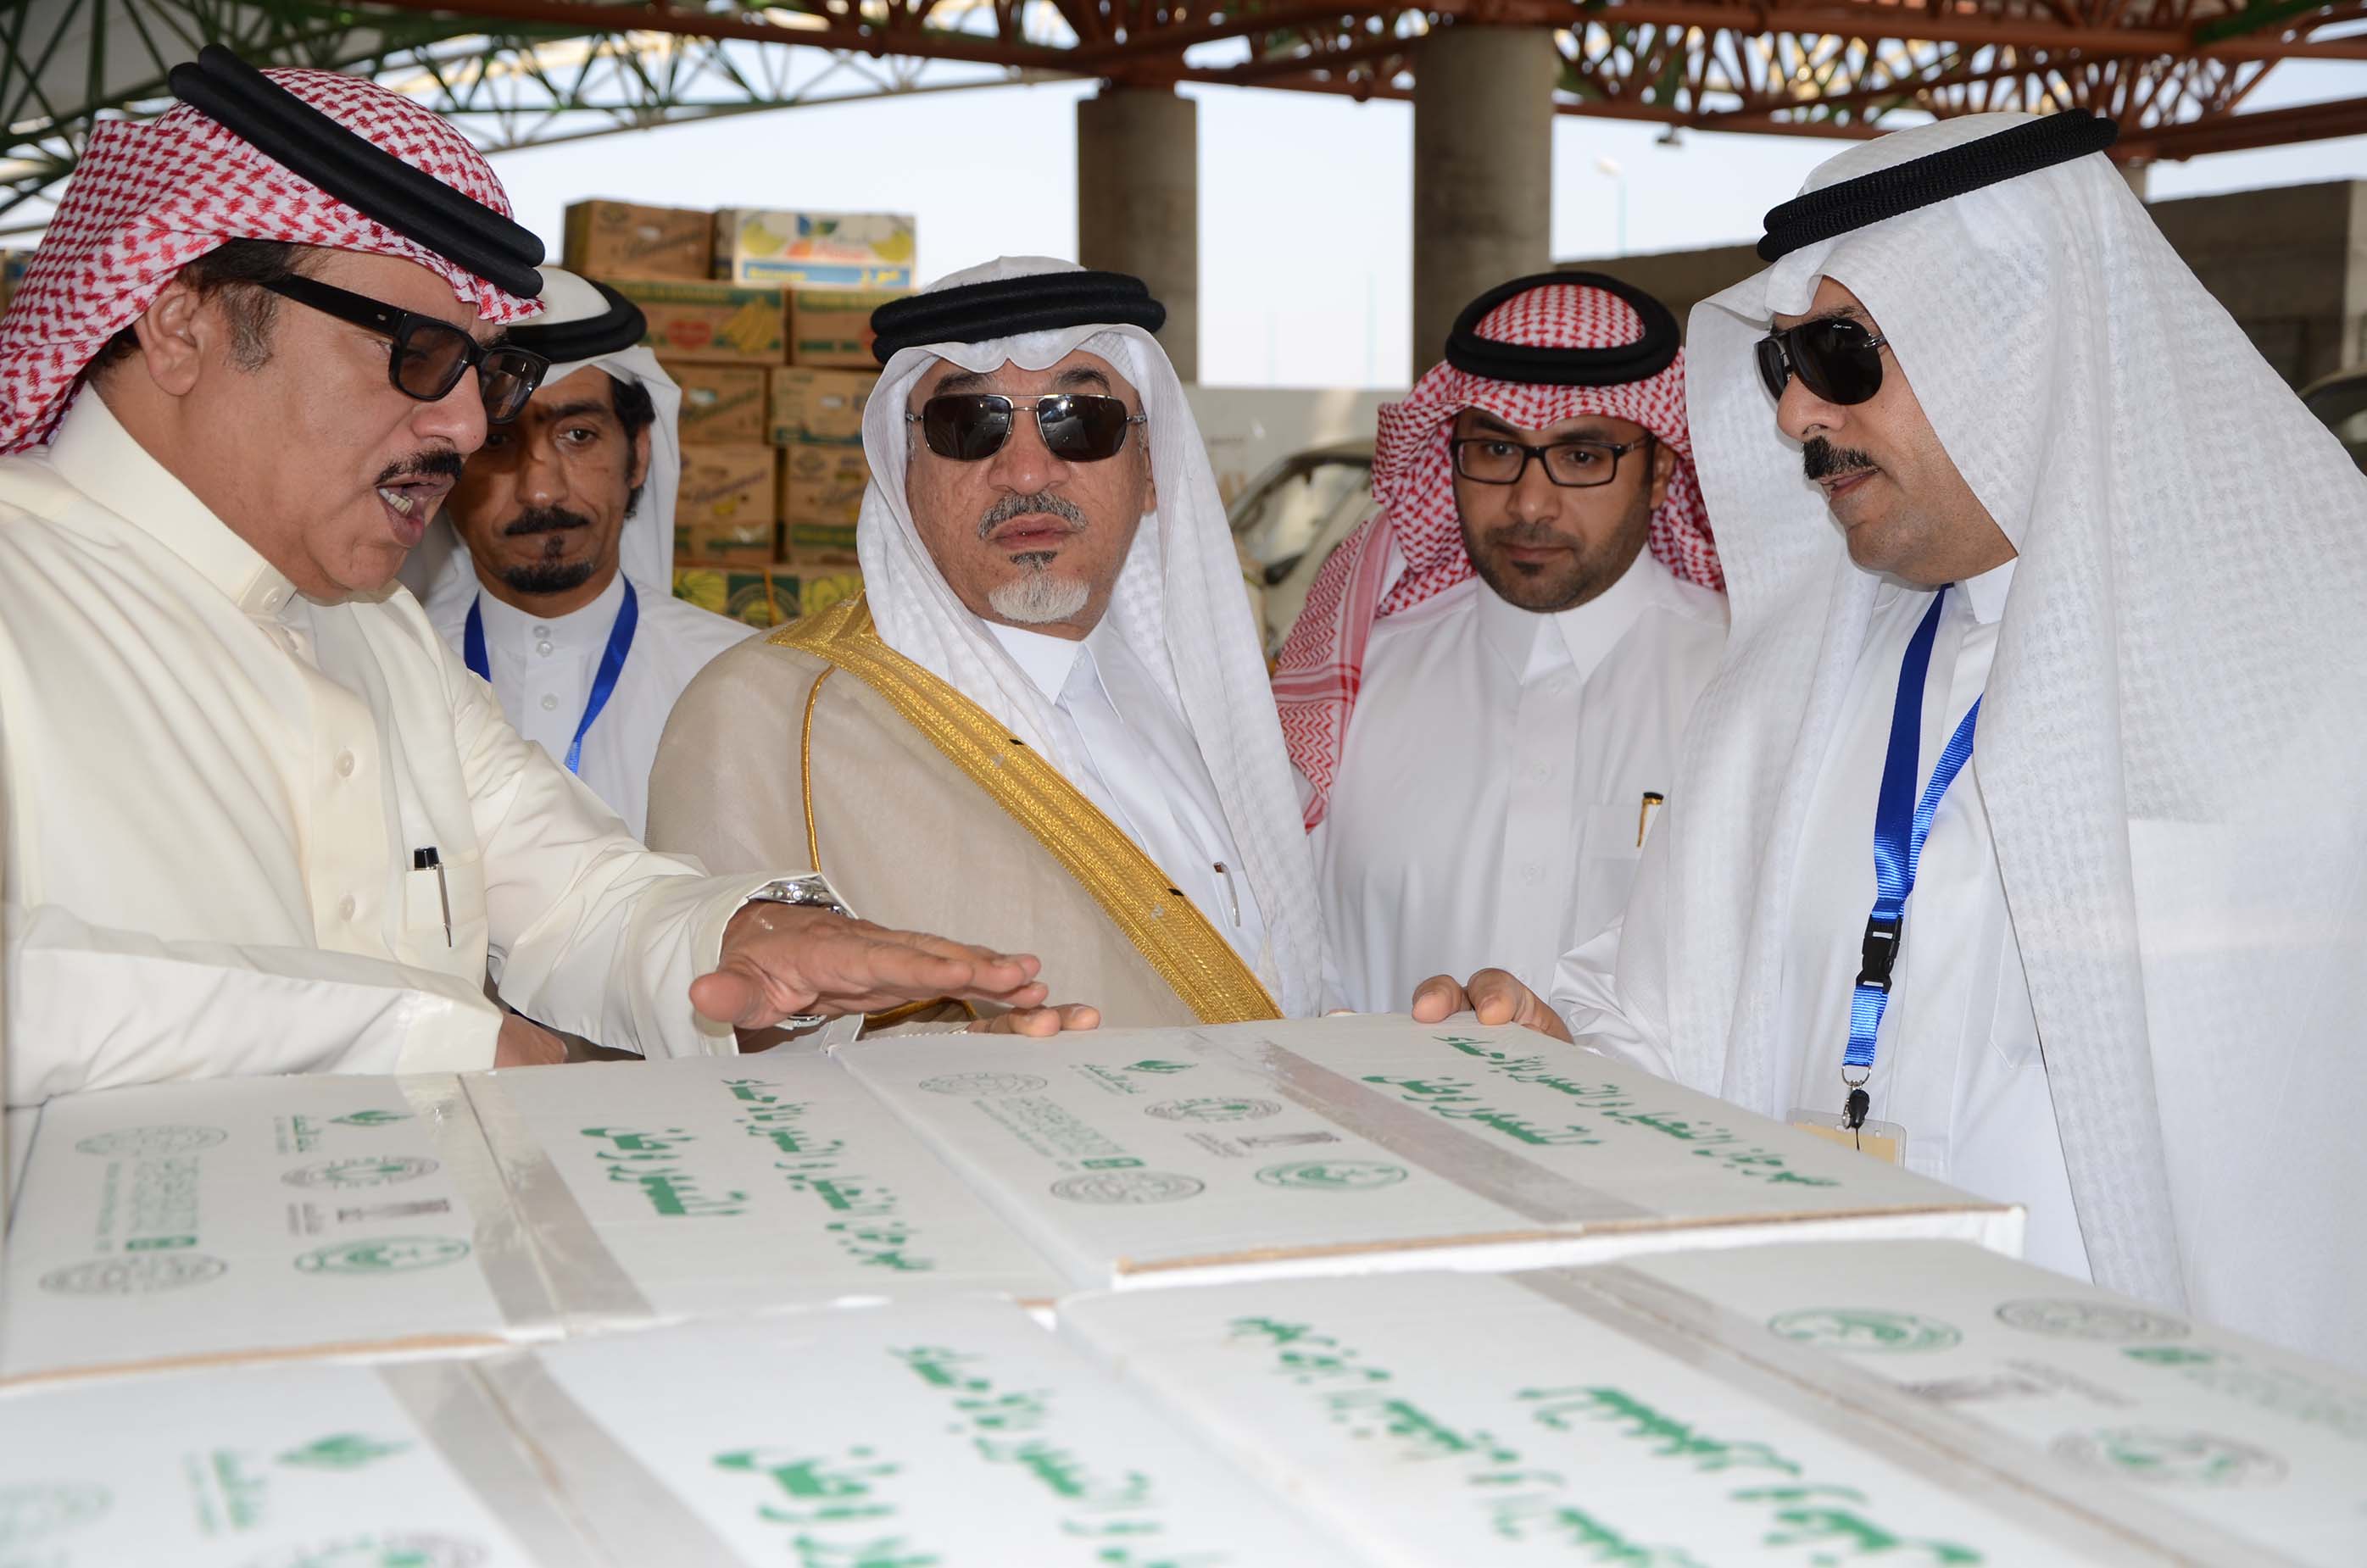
1341 1291
762 318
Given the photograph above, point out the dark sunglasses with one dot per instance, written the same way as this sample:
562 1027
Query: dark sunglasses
429 356
1836 358
971 427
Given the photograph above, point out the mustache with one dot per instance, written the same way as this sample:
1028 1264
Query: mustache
1527 536
543 520
1820 459
1042 503
442 465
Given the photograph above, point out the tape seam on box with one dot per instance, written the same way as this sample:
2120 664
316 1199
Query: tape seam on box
467 1427
2102 1520
502 1253
1528 1190
585 1278
625 1507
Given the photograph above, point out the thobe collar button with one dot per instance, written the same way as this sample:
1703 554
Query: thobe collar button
344 764
345 907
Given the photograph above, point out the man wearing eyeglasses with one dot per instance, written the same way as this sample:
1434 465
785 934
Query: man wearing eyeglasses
2021 835
1048 715
561 592
1485 694
260 820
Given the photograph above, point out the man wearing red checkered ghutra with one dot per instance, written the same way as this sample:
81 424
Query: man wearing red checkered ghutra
260 820
1484 697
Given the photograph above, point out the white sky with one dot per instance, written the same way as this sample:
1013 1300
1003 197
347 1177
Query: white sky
1305 201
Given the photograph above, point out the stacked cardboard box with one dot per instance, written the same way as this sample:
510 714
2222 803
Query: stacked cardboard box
1903 1400
240 1219
762 318
814 250
892 1435
1157 1157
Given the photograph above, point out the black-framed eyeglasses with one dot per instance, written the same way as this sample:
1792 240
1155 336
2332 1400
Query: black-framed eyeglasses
1573 465
1838 359
970 427
429 356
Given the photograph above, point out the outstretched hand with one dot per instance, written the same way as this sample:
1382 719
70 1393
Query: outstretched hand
781 959
1493 995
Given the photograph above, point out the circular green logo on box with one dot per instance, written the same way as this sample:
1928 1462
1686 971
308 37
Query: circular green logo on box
146 1142
401 1549
975 1084
2114 1322
366 1171
387 1255
1127 1187
1333 1174
2157 1457
33 1512
133 1276
1213 1109
1864 1328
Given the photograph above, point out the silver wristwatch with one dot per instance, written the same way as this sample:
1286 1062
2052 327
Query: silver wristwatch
810 891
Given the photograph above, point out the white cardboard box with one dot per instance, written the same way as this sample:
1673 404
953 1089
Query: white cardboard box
1474 1420
2254 1455
951 1432
264 1217
657 1191
174 1222
320 1464
1355 1145
945 1432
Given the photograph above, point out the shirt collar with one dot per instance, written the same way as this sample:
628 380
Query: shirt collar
1589 631
506 623
1986 594
93 452
1046 660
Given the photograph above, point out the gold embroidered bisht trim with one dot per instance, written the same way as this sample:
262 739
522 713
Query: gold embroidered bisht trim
1164 925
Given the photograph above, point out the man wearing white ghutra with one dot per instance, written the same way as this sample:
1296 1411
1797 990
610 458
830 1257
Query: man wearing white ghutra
2119 981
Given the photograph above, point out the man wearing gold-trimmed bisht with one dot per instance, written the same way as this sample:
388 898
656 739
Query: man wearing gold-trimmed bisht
1047 715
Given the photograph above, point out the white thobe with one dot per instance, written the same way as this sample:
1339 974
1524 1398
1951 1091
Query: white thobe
1144 770
1489 801
215 791
542 667
1958 1062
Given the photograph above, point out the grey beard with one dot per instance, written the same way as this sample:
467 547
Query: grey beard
1039 598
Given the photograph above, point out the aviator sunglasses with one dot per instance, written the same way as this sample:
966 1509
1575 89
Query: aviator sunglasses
1077 428
1836 358
429 356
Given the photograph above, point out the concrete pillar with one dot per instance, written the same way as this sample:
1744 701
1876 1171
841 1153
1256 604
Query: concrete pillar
1139 202
1482 170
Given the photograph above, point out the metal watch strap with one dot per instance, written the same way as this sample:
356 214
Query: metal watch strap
809 891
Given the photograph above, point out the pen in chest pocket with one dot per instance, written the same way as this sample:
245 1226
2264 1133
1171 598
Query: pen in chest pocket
1653 801
428 860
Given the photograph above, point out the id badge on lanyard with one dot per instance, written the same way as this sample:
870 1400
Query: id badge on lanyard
1902 821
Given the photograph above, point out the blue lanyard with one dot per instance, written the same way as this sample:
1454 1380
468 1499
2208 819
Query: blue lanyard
1901 823
604 684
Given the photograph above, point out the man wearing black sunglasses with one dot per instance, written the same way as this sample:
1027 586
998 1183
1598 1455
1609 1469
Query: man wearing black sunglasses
260 819
2021 835
1048 715
1498 648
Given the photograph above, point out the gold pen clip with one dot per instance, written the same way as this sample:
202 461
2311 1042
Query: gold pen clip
1653 801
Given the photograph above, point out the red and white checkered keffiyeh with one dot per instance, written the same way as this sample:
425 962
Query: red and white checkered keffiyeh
147 199
1322 661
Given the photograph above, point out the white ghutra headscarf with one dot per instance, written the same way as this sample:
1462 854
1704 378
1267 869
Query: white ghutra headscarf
1178 603
645 548
2173 745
